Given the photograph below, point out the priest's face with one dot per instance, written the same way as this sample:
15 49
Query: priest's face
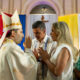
19 36
39 34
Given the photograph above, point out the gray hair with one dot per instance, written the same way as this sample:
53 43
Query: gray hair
39 24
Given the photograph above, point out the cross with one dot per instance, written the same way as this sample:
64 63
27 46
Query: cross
42 19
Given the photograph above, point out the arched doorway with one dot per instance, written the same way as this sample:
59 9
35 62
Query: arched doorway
31 4
43 13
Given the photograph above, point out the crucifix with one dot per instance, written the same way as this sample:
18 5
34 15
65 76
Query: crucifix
43 19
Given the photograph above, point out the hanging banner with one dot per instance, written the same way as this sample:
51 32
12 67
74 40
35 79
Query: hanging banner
1 26
72 21
79 28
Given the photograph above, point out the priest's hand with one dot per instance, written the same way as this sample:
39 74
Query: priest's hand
28 42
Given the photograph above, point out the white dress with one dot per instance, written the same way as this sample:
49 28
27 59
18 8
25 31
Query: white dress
15 64
67 74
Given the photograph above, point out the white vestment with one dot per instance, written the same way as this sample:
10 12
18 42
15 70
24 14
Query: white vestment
15 64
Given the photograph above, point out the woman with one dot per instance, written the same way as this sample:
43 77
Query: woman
60 62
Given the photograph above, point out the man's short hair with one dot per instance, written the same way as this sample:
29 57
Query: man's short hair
39 24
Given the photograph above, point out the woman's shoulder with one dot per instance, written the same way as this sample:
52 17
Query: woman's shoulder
64 47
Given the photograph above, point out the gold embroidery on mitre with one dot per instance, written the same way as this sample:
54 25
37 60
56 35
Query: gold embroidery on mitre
15 24
5 26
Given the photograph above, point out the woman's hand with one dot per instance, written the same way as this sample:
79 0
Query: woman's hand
44 55
35 53
28 42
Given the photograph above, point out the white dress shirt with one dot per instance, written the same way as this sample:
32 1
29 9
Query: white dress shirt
46 44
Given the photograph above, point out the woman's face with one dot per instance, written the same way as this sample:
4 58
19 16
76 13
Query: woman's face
54 34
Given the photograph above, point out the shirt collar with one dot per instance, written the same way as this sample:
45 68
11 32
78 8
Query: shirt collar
44 40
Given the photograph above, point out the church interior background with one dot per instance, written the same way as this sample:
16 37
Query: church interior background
48 11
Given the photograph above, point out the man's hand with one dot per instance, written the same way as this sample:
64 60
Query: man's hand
28 42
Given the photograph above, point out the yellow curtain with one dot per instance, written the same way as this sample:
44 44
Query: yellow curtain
72 21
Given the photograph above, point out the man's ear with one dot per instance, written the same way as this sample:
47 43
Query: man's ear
13 33
44 30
